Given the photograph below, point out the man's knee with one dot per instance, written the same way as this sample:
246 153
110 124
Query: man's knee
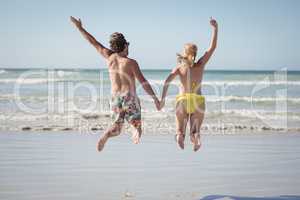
115 130
136 124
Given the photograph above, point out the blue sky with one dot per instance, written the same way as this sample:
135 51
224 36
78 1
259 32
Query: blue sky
254 34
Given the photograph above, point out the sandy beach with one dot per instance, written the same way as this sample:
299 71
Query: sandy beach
67 166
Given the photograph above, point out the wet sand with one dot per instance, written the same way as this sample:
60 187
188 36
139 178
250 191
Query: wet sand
67 166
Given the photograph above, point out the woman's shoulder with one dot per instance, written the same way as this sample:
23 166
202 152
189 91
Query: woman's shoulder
177 69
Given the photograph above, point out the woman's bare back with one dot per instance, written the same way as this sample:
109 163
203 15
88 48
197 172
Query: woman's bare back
190 78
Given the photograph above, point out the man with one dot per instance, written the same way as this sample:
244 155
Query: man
122 72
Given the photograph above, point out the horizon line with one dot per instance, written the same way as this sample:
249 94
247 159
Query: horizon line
103 68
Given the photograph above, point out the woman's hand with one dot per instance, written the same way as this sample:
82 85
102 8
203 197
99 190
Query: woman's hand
213 22
161 104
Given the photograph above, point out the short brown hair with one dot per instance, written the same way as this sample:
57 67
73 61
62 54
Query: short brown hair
117 42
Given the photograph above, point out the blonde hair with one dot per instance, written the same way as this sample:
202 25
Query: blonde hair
188 56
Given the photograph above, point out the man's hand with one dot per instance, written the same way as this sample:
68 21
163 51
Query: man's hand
77 22
213 22
105 52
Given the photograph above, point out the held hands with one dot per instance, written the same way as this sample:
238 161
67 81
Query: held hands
213 23
76 22
159 104
162 104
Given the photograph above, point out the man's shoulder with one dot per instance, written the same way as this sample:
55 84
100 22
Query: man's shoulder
131 61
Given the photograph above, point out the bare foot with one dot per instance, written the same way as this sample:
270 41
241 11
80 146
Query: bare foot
101 143
136 137
180 140
192 138
197 142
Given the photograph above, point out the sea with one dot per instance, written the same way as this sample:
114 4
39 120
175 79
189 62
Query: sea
237 102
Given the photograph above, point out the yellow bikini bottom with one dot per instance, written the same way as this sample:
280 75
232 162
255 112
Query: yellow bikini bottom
192 101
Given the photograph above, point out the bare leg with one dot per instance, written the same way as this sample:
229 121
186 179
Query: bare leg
136 136
114 130
181 122
195 124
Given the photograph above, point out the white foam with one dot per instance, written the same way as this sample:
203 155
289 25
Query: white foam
233 83
238 118
63 73
230 98
28 80
211 98
253 114
249 83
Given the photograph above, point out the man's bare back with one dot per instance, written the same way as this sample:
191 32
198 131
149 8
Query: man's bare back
121 73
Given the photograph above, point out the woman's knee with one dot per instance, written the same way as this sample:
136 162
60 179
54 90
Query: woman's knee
180 131
194 130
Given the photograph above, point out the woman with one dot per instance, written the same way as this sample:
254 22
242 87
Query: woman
190 104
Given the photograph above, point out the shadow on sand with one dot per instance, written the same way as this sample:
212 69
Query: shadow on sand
229 197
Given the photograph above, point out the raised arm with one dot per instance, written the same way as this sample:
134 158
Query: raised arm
213 44
105 52
169 79
147 87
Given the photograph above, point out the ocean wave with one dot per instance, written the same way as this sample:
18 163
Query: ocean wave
251 83
151 127
233 114
28 80
170 99
69 76
61 75
2 71
214 120
252 113
65 73
251 99
235 83
247 99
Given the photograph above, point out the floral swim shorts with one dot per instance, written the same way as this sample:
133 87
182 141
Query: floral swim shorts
126 107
